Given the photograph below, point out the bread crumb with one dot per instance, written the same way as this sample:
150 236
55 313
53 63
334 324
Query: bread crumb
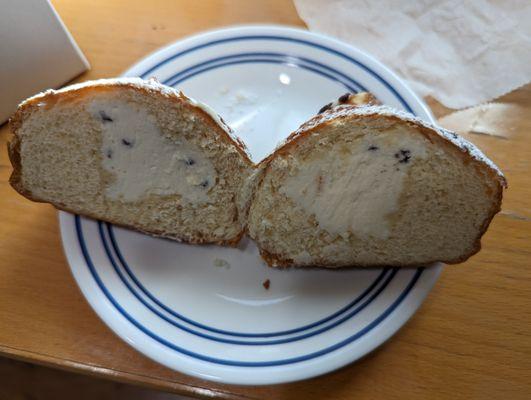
219 262
266 284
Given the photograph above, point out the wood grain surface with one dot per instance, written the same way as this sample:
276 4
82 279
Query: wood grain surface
470 339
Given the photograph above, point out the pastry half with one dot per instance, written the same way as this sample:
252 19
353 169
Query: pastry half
365 185
135 153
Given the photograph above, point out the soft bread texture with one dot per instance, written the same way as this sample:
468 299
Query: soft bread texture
135 153
369 186
358 185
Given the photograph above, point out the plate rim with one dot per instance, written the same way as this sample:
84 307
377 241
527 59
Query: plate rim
280 28
399 319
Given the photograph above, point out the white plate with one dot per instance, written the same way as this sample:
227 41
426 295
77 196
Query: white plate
173 303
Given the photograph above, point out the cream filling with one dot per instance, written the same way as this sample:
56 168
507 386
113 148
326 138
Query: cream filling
355 188
143 161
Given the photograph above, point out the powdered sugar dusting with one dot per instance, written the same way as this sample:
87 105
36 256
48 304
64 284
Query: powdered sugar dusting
151 84
346 111
207 109
335 112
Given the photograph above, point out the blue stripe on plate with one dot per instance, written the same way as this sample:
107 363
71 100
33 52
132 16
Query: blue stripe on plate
235 363
277 58
148 294
263 61
313 355
232 341
284 58
285 39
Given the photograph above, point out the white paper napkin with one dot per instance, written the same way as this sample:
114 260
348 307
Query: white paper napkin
461 53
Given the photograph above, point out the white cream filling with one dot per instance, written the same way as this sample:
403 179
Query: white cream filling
145 162
355 188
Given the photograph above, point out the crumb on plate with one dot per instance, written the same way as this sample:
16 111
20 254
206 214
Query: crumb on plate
219 262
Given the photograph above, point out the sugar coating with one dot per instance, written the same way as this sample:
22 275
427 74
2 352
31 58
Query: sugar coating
336 111
345 111
151 84
59 160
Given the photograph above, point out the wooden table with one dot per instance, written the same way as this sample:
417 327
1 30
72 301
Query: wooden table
470 339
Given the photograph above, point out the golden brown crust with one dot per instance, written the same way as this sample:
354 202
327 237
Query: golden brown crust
352 100
432 134
51 96
13 151
230 242
277 261
47 99
306 129
370 112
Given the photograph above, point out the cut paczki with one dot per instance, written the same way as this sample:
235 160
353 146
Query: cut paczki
358 185
135 153
365 185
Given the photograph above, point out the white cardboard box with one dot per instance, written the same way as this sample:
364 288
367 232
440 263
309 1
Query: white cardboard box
36 52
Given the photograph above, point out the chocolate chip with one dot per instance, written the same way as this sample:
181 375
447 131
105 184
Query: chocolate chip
105 117
108 153
344 98
204 184
404 156
266 284
324 108
189 161
127 142
373 148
